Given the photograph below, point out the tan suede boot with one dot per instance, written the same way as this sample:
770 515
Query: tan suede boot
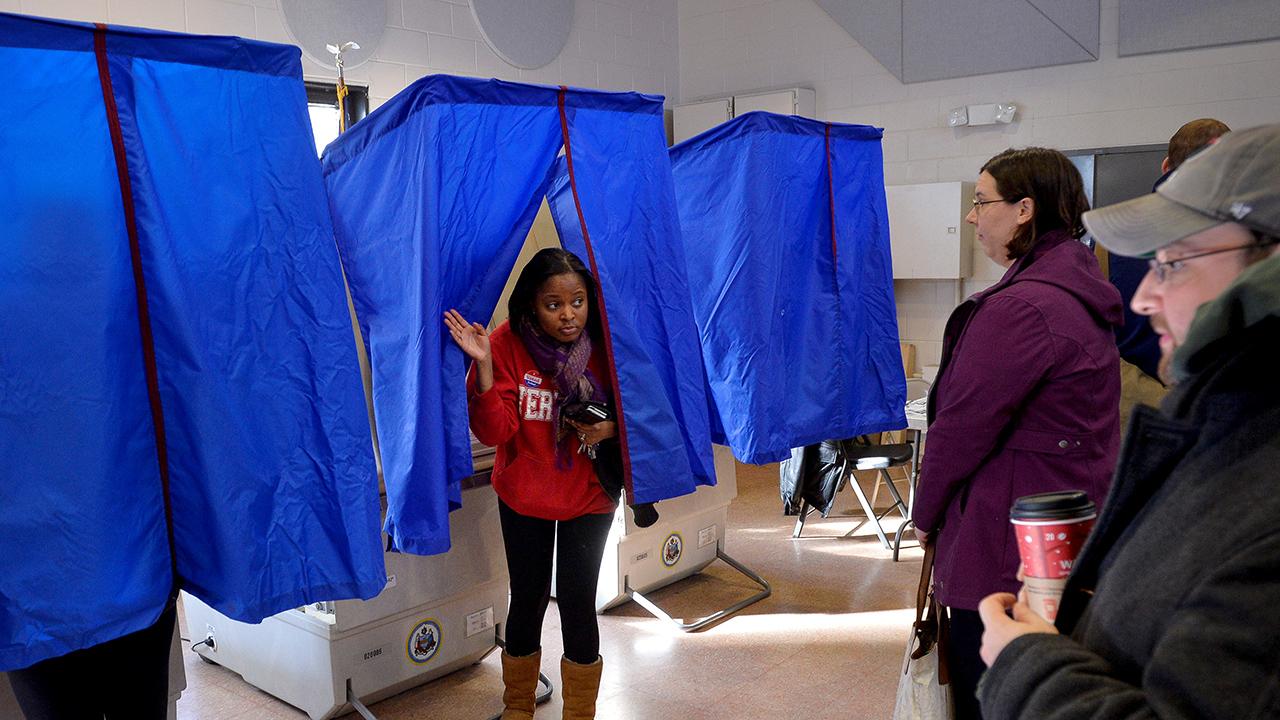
580 686
520 676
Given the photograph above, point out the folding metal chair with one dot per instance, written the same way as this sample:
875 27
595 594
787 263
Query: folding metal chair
861 454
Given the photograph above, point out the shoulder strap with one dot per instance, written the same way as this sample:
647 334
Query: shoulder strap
926 575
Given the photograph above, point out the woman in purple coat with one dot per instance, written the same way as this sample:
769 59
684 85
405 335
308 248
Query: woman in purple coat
1027 395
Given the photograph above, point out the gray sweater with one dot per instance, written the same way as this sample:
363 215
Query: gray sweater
1173 610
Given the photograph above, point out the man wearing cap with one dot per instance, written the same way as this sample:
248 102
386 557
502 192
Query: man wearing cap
1173 607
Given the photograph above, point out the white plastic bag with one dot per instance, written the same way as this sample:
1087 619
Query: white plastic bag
920 695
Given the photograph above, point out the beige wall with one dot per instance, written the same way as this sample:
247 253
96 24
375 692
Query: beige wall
734 46
615 45
542 235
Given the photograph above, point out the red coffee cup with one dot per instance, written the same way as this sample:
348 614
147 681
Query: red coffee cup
1051 528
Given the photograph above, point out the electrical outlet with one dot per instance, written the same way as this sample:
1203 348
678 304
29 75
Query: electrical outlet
208 638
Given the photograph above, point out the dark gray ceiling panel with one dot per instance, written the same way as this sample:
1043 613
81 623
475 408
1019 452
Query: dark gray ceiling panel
1148 26
974 37
1077 18
875 24
920 40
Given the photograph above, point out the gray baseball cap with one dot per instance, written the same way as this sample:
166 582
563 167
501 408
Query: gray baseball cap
1235 180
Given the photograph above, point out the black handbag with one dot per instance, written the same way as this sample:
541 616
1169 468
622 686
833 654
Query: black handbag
608 458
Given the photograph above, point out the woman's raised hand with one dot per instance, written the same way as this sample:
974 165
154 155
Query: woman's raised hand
471 337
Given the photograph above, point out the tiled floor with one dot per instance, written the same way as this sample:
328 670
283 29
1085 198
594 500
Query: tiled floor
827 644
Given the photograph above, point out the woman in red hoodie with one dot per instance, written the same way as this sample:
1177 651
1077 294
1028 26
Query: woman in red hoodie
548 355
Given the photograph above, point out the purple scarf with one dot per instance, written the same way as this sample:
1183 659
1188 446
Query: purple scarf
567 364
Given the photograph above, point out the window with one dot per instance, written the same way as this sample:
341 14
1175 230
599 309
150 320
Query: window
322 105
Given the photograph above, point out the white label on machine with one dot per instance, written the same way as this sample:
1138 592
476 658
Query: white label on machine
391 580
478 622
706 536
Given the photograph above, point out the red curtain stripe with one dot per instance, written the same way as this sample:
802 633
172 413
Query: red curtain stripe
595 272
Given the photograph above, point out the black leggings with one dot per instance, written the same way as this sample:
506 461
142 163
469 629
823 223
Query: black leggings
123 679
578 545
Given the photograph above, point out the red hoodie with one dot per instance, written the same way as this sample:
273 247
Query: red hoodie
515 417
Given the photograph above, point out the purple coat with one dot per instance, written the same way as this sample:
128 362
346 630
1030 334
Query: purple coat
1026 401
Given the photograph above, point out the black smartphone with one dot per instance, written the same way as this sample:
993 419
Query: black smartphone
587 412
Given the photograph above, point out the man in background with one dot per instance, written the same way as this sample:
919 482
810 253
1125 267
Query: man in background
1138 345
1191 137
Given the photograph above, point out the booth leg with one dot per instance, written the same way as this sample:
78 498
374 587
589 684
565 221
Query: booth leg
358 706
658 612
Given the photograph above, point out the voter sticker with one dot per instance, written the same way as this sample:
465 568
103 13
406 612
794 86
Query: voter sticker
672 549
533 380
424 641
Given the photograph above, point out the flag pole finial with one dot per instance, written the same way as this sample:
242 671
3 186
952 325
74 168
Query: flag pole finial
337 51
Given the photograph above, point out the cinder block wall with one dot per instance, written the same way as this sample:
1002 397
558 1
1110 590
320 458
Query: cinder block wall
735 46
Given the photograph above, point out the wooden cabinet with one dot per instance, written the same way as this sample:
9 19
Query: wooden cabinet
927 231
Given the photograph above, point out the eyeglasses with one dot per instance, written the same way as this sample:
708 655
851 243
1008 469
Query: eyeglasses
1164 269
977 204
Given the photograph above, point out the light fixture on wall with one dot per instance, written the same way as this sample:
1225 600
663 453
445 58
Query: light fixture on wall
982 114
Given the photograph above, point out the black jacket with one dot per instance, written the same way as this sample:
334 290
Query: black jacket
811 474
1173 610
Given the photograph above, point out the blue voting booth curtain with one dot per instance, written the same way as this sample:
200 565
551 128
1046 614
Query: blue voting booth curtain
787 243
622 175
171 312
432 196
